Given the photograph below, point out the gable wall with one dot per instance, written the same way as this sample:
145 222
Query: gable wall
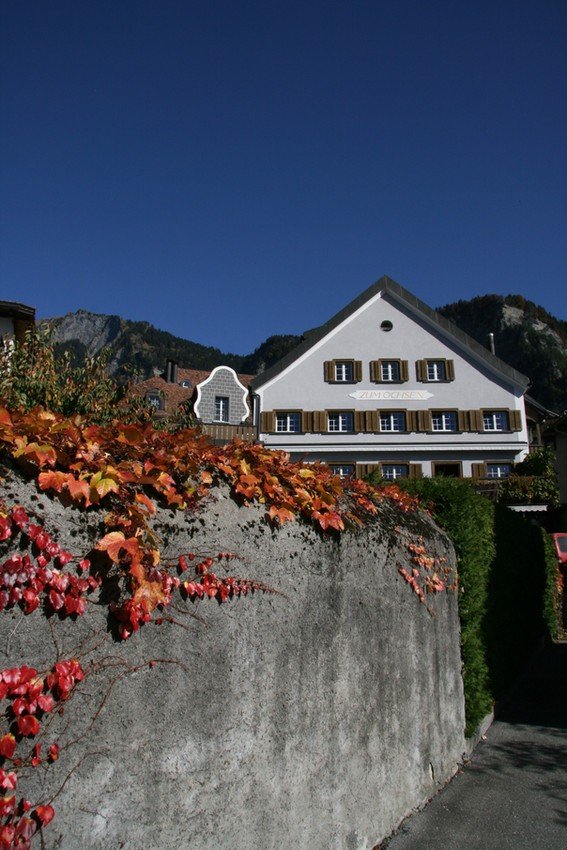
412 338
222 382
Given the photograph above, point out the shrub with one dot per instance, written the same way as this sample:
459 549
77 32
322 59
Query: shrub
507 578
33 374
534 481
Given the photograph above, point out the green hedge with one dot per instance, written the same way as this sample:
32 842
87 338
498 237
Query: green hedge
506 586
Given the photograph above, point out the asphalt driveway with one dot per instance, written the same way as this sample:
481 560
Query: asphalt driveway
513 793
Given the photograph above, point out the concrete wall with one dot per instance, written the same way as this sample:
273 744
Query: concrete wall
314 719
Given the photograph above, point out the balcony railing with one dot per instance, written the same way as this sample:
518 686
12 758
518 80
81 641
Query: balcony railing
221 433
519 490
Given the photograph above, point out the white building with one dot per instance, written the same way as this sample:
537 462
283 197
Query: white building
388 383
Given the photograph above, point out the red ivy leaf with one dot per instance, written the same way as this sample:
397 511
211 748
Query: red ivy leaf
28 725
45 814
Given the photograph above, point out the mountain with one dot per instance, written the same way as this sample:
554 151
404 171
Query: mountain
140 349
526 336
135 347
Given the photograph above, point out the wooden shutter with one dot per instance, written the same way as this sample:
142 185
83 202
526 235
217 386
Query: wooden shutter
404 371
463 420
306 421
424 420
267 421
320 422
475 420
359 420
478 470
415 470
450 370
411 420
329 370
421 370
375 370
515 419
373 421
357 370
364 469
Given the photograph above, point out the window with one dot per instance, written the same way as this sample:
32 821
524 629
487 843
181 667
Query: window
392 421
498 470
345 470
340 422
386 325
186 384
391 471
155 400
446 470
288 422
344 371
495 420
221 408
436 370
389 370
443 420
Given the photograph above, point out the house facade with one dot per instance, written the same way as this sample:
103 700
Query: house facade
389 384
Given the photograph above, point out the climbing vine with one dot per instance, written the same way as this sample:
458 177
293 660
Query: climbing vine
120 473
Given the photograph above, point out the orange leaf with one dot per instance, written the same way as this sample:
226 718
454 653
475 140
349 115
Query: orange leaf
52 480
131 435
41 454
114 543
147 502
150 594
280 514
79 488
5 417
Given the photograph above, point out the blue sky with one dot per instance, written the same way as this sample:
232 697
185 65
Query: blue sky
230 170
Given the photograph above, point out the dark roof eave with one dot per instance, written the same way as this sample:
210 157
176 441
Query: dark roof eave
386 284
16 310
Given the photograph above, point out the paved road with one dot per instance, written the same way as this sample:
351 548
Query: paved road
513 793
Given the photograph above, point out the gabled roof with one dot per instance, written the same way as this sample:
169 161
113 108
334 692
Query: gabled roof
387 285
197 376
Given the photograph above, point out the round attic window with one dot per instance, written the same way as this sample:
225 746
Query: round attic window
186 384
386 325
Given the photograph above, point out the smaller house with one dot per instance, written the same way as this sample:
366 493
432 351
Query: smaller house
219 399
15 320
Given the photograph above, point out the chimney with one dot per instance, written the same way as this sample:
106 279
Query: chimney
491 343
171 371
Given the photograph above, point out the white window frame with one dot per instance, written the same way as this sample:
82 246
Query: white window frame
340 422
343 470
344 371
392 421
288 422
443 421
390 371
498 471
436 371
392 471
222 408
495 420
